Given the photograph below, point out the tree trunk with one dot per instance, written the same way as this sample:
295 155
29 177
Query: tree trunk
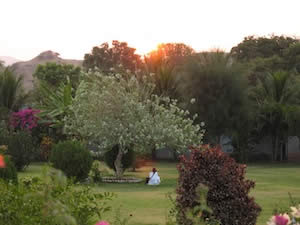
277 145
118 164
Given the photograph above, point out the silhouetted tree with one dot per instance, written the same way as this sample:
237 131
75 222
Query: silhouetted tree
119 56
164 63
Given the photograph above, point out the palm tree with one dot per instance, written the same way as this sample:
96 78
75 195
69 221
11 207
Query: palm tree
219 87
12 96
277 98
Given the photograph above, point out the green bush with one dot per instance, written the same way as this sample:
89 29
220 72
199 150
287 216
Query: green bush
4 135
96 172
127 159
21 149
72 158
9 173
51 201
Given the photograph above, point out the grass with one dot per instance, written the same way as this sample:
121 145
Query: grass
149 205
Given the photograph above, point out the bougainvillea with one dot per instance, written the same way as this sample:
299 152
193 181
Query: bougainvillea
25 119
228 189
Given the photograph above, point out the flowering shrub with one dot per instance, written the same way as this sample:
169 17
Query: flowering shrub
25 119
228 189
293 218
112 110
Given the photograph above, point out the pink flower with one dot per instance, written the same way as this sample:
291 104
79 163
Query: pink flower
102 223
281 220
25 119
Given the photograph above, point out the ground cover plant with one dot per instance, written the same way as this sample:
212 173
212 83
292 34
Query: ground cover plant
149 205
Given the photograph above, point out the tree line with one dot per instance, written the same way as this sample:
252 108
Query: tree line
249 93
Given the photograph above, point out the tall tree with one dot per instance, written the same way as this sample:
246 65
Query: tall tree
261 47
113 111
164 63
277 98
119 56
11 91
219 86
268 54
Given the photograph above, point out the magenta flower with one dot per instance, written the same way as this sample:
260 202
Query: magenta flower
281 220
102 223
24 119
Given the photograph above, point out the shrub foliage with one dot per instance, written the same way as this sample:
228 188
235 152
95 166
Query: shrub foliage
72 158
50 201
228 189
9 173
127 159
21 149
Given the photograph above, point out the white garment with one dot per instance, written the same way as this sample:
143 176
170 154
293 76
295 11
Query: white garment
155 180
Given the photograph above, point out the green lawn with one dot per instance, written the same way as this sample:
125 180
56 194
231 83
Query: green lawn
149 205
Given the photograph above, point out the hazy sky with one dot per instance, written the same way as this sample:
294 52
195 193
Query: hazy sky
73 27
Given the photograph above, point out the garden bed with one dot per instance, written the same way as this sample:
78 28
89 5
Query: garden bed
121 180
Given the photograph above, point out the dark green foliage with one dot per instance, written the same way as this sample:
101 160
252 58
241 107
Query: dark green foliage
127 159
219 87
261 47
4 134
9 173
72 158
11 91
277 97
96 172
54 74
268 54
118 56
21 149
228 189
50 201
164 63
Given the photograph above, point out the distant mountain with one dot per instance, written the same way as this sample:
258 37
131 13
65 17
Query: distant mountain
8 61
27 68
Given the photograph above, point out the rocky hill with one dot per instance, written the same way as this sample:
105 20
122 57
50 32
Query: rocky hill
27 68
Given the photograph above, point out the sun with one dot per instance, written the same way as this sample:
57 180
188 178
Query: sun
145 47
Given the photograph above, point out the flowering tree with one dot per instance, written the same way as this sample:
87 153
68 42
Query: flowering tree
111 110
25 119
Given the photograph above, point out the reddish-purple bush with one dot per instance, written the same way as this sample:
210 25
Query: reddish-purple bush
25 119
228 189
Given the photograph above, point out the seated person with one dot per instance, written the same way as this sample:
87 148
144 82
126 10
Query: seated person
154 179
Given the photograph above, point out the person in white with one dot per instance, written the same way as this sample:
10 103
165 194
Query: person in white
154 179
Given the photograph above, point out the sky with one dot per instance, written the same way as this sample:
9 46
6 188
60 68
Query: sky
73 27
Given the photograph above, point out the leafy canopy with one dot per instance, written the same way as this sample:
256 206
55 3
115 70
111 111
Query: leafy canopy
111 110
53 74
219 84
